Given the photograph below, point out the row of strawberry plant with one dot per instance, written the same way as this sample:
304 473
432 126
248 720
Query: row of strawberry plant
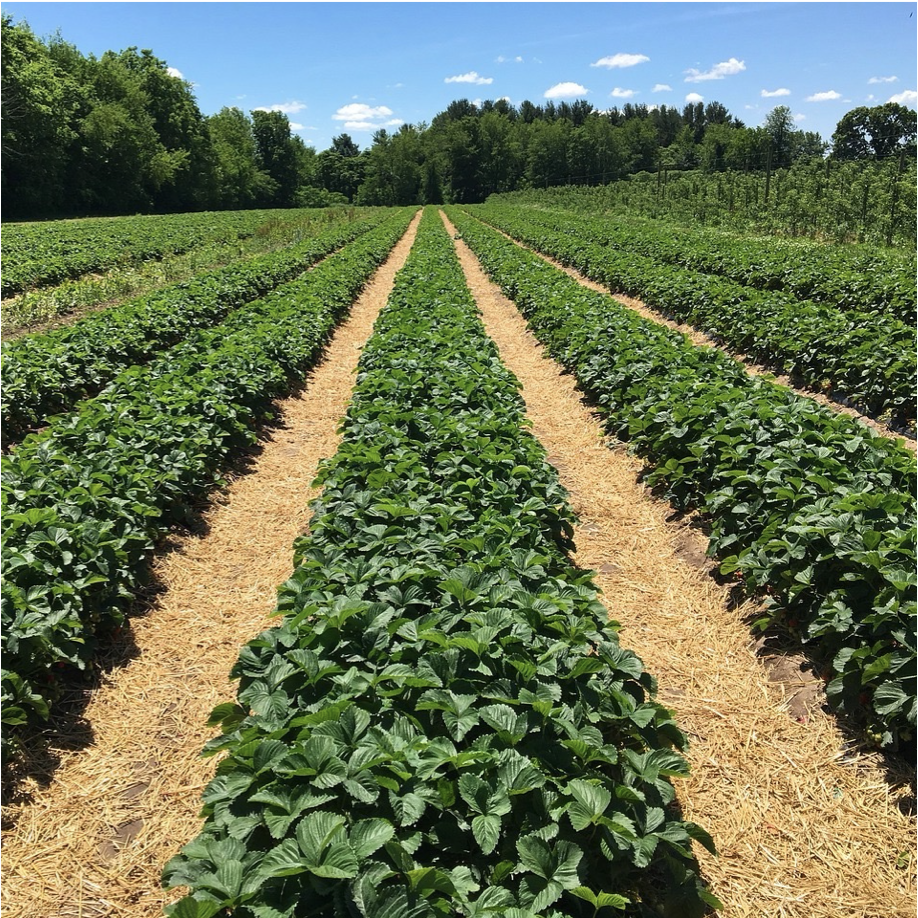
863 278
47 373
811 507
444 722
869 363
39 254
86 500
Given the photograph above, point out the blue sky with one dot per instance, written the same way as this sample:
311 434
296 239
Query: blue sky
356 67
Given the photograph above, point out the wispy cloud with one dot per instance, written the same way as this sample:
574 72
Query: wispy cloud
824 96
662 87
889 79
358 116
621 60
909 97
470 77
717 72
175 72
772 93
622 93
694 97
500 59
288 108
565 91
799 117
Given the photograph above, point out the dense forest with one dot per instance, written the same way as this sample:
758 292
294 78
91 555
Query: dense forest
120 134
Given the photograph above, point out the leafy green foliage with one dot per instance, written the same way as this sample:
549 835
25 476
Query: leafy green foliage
86 499
862 278
443 723
810 507
47 373
871 364
40 254
826 200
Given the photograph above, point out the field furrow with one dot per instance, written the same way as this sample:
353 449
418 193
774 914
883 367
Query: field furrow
814 511
87 836
770 770
87 499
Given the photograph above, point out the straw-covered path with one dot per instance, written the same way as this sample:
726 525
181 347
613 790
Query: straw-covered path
802 828
703 339
94 842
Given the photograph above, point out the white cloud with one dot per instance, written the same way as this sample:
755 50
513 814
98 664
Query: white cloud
799 117
296 127
175 72
824 96
717 72
360 111
621 60
662 87
470 77
890 79
358 116
770 94
909 97
565 91
694 97
288 108
621 93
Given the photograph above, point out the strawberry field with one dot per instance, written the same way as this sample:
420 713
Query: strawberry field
446 717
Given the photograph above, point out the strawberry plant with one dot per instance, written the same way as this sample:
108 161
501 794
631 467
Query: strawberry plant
870 364
860 278
48 373
39 254
807 505
443 723
86 499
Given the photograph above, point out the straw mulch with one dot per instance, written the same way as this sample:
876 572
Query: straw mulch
803 827
702 339
94 842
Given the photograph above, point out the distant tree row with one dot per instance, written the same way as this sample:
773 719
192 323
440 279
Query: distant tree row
120 134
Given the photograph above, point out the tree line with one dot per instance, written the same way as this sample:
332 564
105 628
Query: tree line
122 134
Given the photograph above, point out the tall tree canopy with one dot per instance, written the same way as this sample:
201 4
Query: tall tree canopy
881 131
122 133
